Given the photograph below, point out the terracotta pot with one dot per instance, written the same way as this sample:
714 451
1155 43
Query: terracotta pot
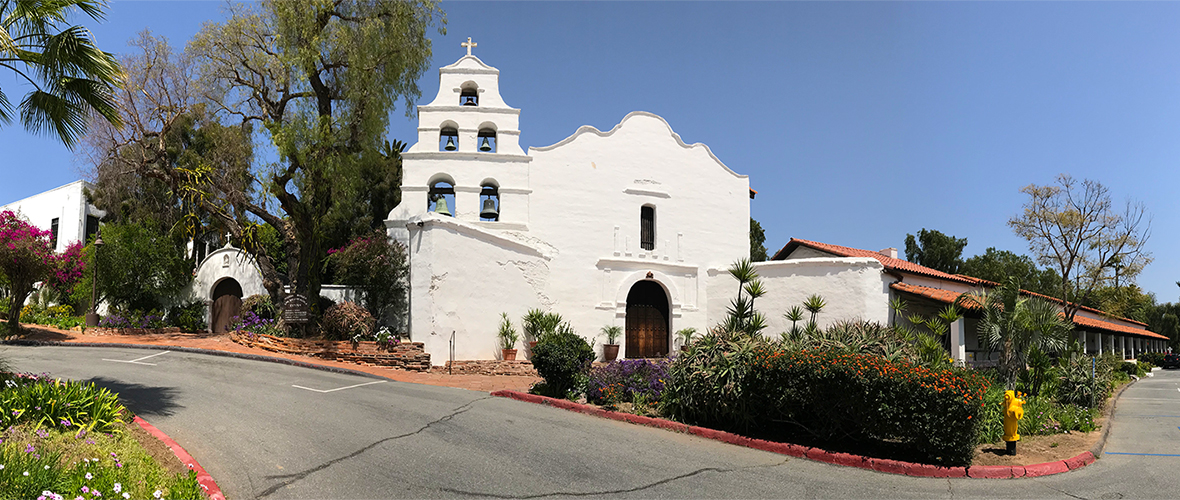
508 354
610 351
532 345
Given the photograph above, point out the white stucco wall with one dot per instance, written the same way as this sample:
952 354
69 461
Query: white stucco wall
855 288
65 203
227 262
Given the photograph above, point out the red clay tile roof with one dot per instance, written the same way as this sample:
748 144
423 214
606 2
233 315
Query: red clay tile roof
948 296
890 263
909 267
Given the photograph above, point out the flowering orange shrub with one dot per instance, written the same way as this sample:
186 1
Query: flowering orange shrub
828 397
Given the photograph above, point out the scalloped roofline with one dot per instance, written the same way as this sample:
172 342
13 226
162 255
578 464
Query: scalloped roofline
586 129
455 65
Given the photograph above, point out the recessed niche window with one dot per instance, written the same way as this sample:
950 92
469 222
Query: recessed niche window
469 96
53 227
489 202
448 139
647 227
441 198
487 140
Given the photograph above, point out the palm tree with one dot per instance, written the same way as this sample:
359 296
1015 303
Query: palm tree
1017 325
72 78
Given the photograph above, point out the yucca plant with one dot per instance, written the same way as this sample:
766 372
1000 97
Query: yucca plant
742 317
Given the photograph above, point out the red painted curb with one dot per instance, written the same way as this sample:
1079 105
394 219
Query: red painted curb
816 454
203 478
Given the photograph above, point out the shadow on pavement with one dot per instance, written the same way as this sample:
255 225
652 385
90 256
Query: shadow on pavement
142 399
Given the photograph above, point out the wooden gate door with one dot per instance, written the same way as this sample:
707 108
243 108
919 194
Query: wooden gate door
647 332
227 303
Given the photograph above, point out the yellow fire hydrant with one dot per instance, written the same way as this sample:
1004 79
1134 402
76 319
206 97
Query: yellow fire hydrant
1013 412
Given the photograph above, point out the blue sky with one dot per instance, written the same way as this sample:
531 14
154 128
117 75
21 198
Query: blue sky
856 122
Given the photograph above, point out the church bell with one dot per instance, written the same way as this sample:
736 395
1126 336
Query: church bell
440 207
486 146
450 143
489 210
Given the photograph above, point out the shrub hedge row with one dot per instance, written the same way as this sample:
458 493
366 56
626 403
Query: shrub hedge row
749 385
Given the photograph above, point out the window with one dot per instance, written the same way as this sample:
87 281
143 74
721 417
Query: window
53 226
91 226
647 227
441 198
489 202
448 139
469 96
487 140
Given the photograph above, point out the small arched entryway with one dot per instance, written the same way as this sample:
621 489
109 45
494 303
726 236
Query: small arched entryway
647 320
227 304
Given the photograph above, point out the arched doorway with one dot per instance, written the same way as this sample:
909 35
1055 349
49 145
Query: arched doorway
647 320
227 303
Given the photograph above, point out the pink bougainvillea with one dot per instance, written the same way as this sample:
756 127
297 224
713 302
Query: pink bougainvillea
67 270
26 257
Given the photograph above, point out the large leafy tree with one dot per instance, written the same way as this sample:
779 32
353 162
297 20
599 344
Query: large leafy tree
1074 228
320 79
998 265
70 76
935 250
1017 325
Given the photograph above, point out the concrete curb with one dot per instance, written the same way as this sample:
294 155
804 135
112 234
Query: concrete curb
203 478
196 350
816 454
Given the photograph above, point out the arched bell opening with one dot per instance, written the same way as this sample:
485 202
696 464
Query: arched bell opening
647 320
487 140
448 138
227 304
469 95
489 202
441 198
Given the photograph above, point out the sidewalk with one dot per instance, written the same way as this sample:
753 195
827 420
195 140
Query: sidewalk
221 342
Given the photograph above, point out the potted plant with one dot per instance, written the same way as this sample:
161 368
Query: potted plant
610 350
685 335
508 338
537 324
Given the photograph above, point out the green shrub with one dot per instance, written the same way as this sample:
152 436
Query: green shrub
347 321
537 324
746 384
1077 387
43 402
189 317
991 415
563 359
1155 358
261 305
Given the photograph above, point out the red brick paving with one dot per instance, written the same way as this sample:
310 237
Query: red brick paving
221 342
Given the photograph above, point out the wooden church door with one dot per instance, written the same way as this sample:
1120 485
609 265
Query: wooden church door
647 321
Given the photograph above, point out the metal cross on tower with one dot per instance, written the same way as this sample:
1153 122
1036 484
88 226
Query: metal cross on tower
469 44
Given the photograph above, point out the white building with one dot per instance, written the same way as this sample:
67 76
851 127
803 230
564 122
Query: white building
63 211
605 228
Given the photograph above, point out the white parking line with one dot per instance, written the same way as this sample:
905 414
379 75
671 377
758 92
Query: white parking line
137 360
339 388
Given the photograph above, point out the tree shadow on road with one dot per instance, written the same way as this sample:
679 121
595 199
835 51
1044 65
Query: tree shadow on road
142 399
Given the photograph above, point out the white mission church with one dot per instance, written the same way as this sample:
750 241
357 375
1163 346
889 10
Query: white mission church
605 228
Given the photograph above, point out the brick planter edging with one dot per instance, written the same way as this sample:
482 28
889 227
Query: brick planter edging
816 454
208 485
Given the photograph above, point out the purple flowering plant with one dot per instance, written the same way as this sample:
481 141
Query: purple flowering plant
620 381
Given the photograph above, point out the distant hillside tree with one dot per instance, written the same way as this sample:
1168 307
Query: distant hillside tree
998 265
757 242
935 250
1074 229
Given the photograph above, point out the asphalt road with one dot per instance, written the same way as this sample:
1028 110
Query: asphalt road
343 436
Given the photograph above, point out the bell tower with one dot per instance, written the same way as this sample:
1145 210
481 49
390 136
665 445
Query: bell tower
467 162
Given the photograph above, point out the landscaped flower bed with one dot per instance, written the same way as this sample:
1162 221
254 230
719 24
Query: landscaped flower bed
69 440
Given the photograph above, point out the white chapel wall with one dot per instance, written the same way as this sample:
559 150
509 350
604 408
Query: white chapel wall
855 288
